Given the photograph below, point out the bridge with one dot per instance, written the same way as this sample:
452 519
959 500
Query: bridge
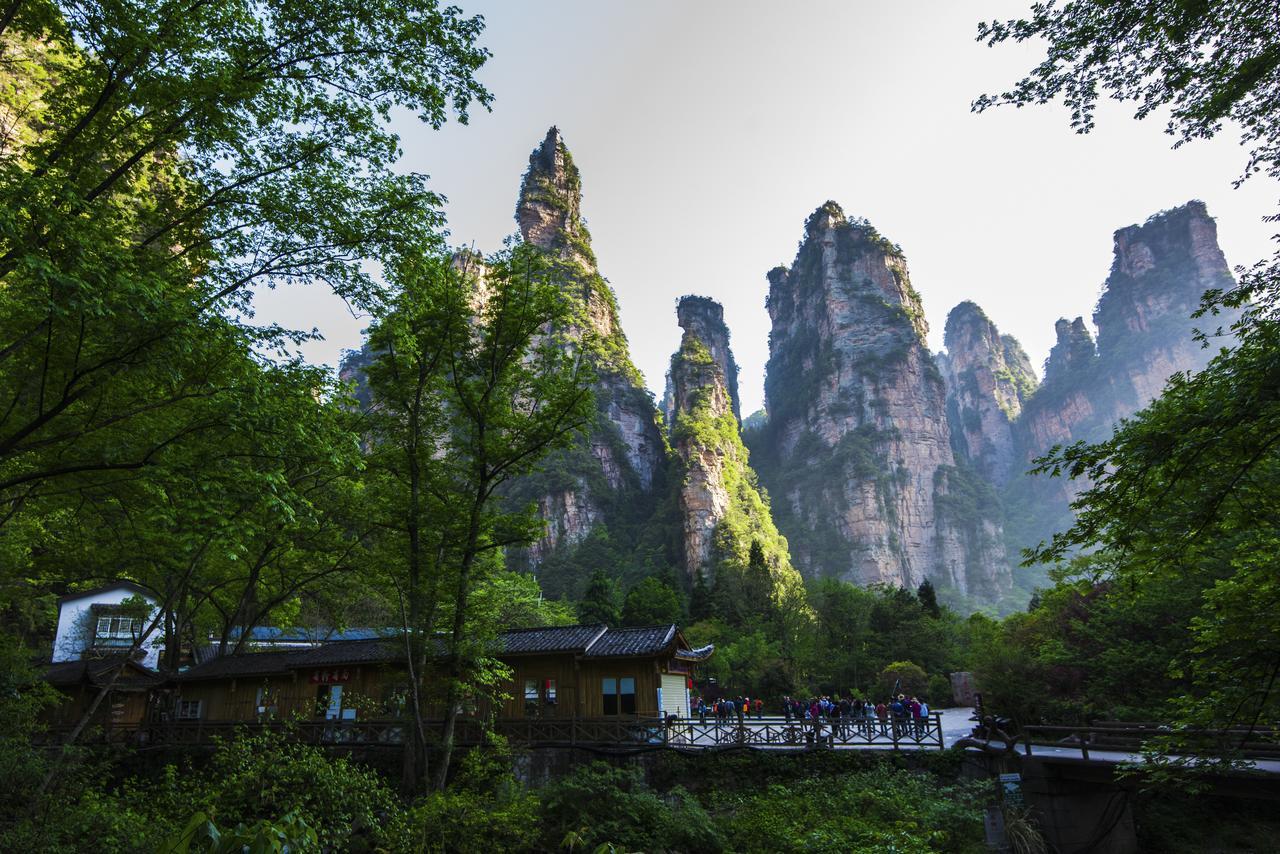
611 733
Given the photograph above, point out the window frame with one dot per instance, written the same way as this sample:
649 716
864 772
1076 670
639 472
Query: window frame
616 703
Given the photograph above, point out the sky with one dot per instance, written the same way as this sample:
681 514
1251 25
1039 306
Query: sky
707 132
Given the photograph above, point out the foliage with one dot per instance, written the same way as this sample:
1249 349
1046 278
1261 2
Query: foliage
1207 62
603 804
902 677
289 834
485 808
249 779
599 602
870 810
652 603
469 393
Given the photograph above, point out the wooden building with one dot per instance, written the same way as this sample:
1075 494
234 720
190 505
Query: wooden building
131 684
557 672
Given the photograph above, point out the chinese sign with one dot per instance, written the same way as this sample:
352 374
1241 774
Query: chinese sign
330 677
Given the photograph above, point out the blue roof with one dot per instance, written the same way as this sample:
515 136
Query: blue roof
264 634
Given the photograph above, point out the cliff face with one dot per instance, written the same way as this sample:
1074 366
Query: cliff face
1145 335
988 377
625 451
1159 272
722 510
857 451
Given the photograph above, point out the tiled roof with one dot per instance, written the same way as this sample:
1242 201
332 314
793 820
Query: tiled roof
282 661
549 639
621 642
98 672
106 588
591 641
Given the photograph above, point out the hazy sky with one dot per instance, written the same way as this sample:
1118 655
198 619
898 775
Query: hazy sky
707 132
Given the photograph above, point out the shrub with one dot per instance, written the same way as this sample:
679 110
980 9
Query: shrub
600 804
908 676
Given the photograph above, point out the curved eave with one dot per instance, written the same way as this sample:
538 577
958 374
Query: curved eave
702 653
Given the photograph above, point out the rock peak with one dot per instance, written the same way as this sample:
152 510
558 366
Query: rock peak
549 209
967 313
828 215
1160 271
702 318
1073 352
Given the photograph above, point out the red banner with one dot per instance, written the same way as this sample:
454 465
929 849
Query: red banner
330 677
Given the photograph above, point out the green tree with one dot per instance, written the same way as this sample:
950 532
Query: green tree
469 392
1179 513
902 677
599 603
928 599
165 162
651 603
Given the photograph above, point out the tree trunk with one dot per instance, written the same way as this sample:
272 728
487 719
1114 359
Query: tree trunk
453 697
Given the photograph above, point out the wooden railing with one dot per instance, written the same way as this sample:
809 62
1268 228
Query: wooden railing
613 732
1122 737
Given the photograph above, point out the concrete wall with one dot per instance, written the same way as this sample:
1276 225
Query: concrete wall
76 624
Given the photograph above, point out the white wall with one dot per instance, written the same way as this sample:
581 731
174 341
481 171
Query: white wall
76 624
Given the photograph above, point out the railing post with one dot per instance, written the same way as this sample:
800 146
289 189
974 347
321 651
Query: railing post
894 724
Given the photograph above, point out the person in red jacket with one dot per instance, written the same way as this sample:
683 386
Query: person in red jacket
759 709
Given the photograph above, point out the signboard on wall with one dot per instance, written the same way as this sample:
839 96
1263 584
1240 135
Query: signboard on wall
331 676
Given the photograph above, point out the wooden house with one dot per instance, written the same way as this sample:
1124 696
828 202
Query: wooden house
131 687
556 672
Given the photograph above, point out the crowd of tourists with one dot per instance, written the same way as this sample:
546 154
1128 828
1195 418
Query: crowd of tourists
905 714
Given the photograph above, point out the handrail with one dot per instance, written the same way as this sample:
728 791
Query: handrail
684 733
1116 737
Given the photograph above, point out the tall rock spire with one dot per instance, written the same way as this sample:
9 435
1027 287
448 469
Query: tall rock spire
625 452
1145 327
723 512
857 451
550 204
988 377
703 318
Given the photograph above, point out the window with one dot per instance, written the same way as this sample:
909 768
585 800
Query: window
266 702
539 697
116 631
189 710
619 696
530 698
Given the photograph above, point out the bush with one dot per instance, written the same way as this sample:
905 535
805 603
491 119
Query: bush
882 810
908 676
486 809
600 804
939 694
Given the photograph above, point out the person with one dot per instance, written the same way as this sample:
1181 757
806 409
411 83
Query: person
924 718
759 709
914 707
786 709
882 714
702 711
